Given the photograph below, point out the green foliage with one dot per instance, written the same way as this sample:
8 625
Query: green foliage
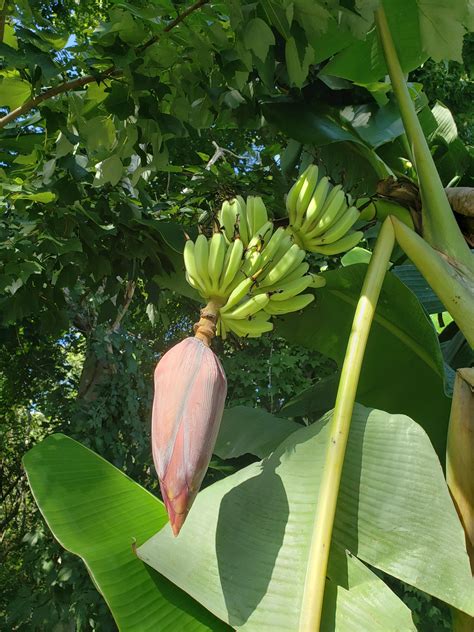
254 524
67 505
98 183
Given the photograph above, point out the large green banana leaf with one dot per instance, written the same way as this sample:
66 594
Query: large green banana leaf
403 370
243 550
97 512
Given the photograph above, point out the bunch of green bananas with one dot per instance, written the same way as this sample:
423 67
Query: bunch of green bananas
320 217
252 270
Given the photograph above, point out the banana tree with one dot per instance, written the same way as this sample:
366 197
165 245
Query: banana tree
291 541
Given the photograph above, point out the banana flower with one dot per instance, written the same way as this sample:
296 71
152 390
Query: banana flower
190 391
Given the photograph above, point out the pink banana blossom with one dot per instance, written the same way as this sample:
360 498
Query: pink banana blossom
190 391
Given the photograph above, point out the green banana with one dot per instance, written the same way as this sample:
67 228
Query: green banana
367 209
217 251
222 328
249 211
272 246
296 273
292 288
316 204
237 294
347 242
249 328
191 268
285 244
317 281
290 305
248 308
334 201
260 215
231 267
201 257
293 257
340 228
227 218
306 192
242 223
261 237
193 283
292 198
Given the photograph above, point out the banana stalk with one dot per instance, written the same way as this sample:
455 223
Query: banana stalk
313 593
440 228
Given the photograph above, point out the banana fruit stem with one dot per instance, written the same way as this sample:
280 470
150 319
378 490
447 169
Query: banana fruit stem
440 228
205 328
313 592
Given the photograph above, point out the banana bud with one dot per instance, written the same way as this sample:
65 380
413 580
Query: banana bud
190 391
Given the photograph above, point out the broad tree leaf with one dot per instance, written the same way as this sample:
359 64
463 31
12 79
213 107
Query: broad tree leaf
246 430
258 37
341 149
97 512
13 91
307 124
254 529
403 366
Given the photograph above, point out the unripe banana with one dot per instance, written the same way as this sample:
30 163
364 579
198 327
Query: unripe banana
306 193
249 307
285 245
332 207
290 305
237 294
317 281
260 215
261 237
292 198
223 328
316 205
298 272
201 256
252 263
242 224
292 288
191 268
236 251
347 242
249 328
249 211
340 228
227 218
193 283
369 211
287 264
217 252
270 249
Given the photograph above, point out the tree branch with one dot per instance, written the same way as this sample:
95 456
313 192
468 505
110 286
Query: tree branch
82 81
129 291
52 92
182 16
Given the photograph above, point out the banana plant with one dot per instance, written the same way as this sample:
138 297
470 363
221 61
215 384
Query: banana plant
288 541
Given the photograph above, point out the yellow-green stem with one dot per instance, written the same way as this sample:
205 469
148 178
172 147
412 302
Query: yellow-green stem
440 228
453 284
313 593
